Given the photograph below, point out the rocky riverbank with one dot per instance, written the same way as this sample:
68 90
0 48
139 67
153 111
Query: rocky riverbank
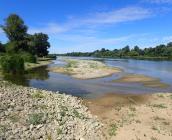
29 113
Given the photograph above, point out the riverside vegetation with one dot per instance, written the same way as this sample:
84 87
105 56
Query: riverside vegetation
22 49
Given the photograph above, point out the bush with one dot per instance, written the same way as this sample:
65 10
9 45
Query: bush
12 64
52 56
27 57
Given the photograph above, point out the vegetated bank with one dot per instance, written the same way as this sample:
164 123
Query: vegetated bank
22 51
29 113
160 52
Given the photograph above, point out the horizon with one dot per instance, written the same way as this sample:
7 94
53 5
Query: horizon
86 26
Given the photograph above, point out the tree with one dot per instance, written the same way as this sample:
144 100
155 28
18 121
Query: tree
2 48
39 44
14 28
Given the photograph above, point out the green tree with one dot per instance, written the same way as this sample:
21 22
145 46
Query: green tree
15 28
2 48
39 44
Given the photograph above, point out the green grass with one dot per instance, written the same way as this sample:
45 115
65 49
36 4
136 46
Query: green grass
37 95
36 118
14 118
113 129
162 106
59 131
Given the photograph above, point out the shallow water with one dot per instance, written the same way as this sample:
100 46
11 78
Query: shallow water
42 78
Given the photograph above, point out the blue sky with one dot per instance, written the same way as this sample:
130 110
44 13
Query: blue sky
87 25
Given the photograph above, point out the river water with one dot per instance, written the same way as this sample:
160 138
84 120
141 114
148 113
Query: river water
92 88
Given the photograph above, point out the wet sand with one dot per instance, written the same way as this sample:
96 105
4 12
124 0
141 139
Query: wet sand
142 79
134 117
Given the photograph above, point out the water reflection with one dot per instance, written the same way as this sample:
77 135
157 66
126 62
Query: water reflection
24 79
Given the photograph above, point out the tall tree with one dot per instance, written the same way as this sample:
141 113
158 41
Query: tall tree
39 44
2 48
14 28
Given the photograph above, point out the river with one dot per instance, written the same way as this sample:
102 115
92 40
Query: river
92 88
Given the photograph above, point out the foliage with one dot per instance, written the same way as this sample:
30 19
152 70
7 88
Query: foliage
39 44
27 57
12 64
52 56
20 40
156 52
36 118
14 28
2 48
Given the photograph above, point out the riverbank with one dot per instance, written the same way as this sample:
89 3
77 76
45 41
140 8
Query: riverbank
85 69
134 117
40 63
29 113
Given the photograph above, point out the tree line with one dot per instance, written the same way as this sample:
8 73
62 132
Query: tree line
160 51
21 46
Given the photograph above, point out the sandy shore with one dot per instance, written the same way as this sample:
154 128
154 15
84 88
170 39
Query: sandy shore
134 117
85 69
142 79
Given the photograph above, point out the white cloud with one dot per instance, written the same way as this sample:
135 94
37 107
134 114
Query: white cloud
118 16
50 28
96 19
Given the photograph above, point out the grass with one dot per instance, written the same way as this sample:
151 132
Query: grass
37 95
3 128
59 131
153 138
132 108
36 118
113 129
162 106
14 118
158 118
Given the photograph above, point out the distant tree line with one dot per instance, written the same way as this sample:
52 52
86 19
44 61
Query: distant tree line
21 46
160 51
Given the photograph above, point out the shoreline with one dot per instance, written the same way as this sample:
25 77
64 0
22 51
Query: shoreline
40 63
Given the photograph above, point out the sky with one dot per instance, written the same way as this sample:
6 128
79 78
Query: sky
88 25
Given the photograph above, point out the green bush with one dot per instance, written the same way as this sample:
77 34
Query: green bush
27 57
12 64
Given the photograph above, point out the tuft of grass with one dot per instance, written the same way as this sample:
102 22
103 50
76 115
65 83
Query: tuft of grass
3 129
160 95
153 138
158 118
14 118
162 106
36 118
138 121
132 108
113 129
59 131
166 123
37 95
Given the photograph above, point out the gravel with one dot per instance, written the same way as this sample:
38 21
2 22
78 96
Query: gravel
29 113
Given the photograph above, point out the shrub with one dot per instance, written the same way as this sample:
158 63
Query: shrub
36 118
12 64
52 56
27 57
